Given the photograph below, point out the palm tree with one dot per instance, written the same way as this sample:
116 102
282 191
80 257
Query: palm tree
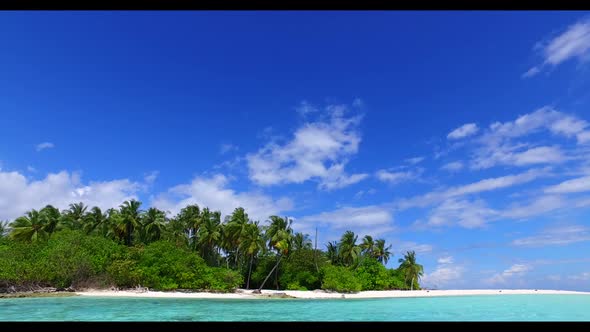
368 245
209 234
131 219
301 241
251 244
381 252
74 216
410 268
30 227
96 219
153 224
3 228
348 249
51 218
332 252
233 232
280 238
189 220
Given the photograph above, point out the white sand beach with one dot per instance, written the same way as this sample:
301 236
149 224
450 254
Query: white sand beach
319 294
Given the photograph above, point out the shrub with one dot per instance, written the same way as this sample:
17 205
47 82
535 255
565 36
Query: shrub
340 279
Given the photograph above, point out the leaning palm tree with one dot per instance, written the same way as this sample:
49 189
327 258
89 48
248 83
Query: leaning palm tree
31 227
410 269
381 252
348 249
280 239
251 244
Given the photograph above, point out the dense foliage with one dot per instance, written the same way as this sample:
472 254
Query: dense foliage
128 247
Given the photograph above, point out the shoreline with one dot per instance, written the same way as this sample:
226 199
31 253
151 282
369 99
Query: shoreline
320 294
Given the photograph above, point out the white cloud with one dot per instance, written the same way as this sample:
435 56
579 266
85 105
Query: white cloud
365 220
464 213
305 108
574 42
414 160
362 193
31 169
473 188
445 260
445 273
465 130
583 137
516 270
405 246
580 184
213 193
531 72
318 150
582 276
151 177
397 177
496 146
227 147
537 206
348 217
18 195
44 145
453 166
557 236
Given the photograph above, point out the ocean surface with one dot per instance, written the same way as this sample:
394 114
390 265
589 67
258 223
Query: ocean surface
452 308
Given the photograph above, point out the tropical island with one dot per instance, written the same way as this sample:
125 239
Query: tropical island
127 248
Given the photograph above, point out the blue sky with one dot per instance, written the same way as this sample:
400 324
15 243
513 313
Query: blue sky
460 135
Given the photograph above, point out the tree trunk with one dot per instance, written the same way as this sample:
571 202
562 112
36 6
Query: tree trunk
250 272
271 271
277 277
412 286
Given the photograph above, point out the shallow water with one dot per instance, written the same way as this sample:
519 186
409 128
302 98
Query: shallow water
451 308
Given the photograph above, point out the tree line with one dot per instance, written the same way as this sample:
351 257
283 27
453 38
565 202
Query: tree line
195 249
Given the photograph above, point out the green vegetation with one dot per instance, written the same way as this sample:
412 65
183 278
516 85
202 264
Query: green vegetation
128 247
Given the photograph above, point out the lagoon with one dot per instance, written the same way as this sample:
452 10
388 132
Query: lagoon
538 307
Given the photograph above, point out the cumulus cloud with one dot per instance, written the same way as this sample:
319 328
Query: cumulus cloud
556 236
318 150
213 192
18 194
465 130
573 43
44 145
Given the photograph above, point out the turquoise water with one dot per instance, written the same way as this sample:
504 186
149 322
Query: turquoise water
455 308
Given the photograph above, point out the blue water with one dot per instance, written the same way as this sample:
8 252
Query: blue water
455 308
